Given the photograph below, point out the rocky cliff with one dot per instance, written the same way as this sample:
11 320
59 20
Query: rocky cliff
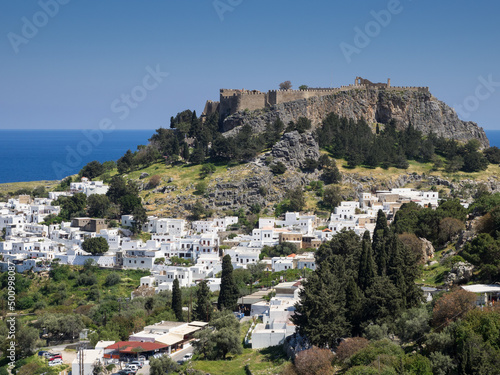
424 111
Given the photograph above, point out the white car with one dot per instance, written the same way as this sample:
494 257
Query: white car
56 362
187 357
132 367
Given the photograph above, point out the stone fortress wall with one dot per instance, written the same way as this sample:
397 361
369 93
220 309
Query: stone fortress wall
234 100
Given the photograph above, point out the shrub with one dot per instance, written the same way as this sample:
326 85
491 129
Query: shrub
314 361
112 279
278 168
373 351
349 347
201 187
154 181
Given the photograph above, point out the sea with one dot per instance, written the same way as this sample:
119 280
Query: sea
35 155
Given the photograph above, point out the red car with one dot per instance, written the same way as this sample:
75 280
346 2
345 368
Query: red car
56 356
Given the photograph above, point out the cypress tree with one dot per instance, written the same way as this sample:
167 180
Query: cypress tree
354 306
395 266
321 314
185 151
379 244
177 300
228 296
203 309
367 266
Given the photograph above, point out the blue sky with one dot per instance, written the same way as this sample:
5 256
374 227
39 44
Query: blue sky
69 71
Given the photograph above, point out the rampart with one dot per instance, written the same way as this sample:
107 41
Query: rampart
234 100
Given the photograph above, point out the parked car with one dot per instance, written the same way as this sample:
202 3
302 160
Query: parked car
132 367
139 364
55 357
126 372
41 353
187 357
56 362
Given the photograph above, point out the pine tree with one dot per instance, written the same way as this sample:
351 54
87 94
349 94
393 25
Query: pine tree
367 266
228 296
177 300
203 309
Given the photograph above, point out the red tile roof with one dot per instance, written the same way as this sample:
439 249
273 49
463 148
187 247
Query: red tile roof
129 346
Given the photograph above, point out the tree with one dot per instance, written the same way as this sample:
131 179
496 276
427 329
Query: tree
177 300
26 339
331 197
128 202
454 164
296 199
310 165
367 266
207 169
95 245
314 361
303 87
449 227
287 85
140 218
379 244
162 365
201 187
452 306
492 154
203 309
228 295
224 339
92 170
98 205
413 324
331 174
303 124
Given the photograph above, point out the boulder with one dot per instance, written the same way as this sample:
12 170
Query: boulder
461 272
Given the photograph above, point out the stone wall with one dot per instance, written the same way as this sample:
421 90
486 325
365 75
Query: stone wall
211 108
251 101
233 100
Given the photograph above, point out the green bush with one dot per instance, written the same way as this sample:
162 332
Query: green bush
373 351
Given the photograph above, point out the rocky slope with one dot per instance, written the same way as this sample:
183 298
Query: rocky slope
253 183
424 111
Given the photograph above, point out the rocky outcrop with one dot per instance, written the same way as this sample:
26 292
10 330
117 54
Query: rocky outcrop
294 148
427 249
461 272
424 111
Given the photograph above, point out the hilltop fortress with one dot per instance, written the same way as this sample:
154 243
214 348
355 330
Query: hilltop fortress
376 103
234 100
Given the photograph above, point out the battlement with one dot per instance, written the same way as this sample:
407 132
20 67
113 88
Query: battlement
234 100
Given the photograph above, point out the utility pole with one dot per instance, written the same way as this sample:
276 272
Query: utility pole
190 307
80 360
